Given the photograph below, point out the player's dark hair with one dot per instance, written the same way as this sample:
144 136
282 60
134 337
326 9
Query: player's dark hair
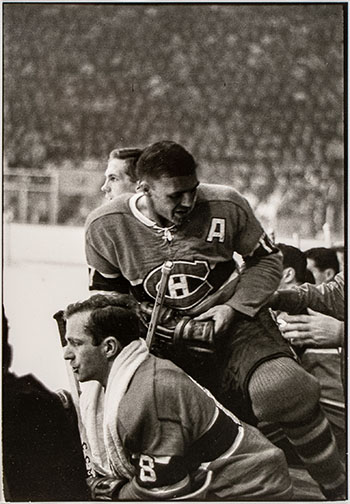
309 277
130 155
165 158
324 258
114 315
294 258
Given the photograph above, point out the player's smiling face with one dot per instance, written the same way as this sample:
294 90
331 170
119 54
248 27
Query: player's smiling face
171 199
88 361
116 179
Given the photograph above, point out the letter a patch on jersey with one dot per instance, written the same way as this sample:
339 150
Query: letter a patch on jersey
217 230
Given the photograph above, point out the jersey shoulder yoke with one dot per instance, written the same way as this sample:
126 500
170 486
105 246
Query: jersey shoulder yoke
220 193
117 206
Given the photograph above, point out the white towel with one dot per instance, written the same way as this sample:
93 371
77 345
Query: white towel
99 411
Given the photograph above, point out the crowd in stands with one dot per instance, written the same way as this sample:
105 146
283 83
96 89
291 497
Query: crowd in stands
253 91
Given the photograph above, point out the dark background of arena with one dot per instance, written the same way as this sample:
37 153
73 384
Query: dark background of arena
255 92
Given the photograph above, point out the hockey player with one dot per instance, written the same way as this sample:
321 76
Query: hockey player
323 263
153 432
199 227
120 175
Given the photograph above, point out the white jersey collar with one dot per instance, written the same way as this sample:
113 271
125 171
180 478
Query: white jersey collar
136 212
149 222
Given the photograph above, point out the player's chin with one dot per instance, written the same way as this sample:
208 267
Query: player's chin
179 217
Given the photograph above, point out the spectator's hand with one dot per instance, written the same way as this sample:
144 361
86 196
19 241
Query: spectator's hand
312 330
222 315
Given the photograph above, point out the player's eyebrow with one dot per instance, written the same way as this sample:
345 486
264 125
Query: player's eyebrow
178 193
71 339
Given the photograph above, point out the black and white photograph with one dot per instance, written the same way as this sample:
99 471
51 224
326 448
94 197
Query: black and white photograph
174 251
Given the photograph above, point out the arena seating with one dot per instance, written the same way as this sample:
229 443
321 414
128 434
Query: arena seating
254 91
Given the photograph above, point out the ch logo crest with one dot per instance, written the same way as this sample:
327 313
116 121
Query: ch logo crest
188 284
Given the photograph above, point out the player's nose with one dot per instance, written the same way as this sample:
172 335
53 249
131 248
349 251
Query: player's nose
68 354
104 188
187 199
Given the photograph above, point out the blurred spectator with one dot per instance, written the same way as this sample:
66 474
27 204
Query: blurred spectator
254 91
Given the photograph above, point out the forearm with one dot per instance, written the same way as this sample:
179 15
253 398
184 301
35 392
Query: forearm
325 298
329 297
258 281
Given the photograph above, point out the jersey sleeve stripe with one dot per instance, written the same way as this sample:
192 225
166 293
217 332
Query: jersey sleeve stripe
105 275
165 492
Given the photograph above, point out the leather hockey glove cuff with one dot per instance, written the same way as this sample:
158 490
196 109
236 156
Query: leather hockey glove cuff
180 331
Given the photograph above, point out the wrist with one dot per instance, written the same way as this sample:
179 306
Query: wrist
232 310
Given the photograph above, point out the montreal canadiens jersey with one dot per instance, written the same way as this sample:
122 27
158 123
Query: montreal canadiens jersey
122 242
178 428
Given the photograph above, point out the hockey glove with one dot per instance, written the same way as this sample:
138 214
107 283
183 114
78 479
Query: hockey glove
179 331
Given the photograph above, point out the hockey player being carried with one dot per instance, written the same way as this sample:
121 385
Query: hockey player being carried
154 434
199 227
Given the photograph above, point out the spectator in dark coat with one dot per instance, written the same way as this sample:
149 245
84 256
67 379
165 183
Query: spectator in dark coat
42 456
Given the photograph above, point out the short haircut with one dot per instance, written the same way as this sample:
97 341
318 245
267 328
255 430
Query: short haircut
111 315
294 258
130 155
324 258
165 158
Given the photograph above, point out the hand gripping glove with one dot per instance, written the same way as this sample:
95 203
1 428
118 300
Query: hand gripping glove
179 331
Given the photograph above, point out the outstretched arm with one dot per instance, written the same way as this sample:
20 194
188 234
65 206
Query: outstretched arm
327 298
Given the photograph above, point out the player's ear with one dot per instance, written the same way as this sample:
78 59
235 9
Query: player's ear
329 274
144 186
288 275
111 347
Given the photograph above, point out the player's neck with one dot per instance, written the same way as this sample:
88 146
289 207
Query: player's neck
145 206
